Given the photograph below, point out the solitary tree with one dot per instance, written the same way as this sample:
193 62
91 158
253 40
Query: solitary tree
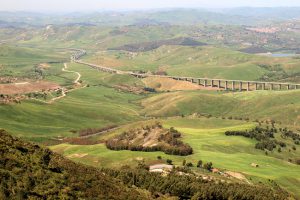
189 164
199 164
169 161
208 166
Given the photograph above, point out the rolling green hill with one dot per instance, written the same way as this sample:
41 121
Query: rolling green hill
13 55
212 62
92 107
281 106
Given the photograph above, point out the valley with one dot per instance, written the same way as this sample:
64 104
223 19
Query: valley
117 97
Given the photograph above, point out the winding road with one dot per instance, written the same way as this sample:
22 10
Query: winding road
78 74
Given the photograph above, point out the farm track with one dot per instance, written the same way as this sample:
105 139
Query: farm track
64 91
78 74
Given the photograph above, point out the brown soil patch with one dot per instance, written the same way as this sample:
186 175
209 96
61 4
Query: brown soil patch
164 84
77 155
27 87
44 66
236 175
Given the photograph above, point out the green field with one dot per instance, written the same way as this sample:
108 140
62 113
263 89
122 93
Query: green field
92 107
206 136
281 106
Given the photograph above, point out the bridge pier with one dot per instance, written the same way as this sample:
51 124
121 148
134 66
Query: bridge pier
288 87
219 84
263 86
212 83
226 85
241 86
271 86
248 86
205 83
256 86
233 86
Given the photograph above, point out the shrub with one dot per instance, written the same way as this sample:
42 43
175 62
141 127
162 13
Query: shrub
169 161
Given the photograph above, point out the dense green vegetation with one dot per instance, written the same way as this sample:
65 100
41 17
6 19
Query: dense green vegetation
30 171
191 187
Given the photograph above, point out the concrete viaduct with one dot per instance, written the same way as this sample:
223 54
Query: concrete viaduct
223 84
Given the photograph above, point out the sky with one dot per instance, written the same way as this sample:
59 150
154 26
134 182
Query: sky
94 5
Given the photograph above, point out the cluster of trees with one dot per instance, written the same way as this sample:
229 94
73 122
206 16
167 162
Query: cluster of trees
193 187
258 133
208 166
290 134
29 171
37 95
7 99
265 136
168 142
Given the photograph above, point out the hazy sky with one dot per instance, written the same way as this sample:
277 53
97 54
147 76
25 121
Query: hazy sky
86 5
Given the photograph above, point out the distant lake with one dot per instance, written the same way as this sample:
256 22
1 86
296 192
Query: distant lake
280 55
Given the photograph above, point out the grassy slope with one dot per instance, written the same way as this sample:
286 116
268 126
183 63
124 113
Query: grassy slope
206 61
90 107
282 106
11 55
207 138
21 61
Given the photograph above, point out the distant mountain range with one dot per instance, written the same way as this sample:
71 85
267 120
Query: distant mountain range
233 16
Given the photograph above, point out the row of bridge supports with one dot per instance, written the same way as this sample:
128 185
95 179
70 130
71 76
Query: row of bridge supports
220 83
240 85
